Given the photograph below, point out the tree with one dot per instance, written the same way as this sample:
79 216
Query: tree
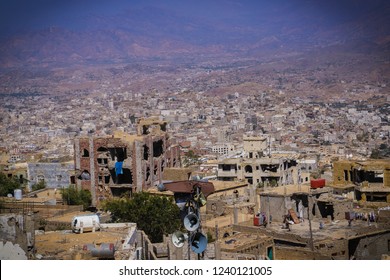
73 196
38 186
155 215
383 146
8 185
375 154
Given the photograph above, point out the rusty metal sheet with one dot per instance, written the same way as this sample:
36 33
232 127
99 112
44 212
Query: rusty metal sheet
206 188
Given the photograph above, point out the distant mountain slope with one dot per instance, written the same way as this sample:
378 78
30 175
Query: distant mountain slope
154 31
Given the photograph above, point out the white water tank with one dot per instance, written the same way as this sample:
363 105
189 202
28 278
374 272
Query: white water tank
18 194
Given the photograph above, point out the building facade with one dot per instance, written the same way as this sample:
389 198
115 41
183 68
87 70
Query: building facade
258 168
112 166
53 175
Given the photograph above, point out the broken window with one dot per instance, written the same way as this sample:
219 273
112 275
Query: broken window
146 152
162 165
374 176
158 148
376 197
85 175
102 161
225 167
119 153
346 175
248 169
269 167
155 170
85 153
174 162
292 163
163 127
145 130
125 177
147 174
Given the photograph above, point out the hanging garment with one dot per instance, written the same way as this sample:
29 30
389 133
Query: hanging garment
118 167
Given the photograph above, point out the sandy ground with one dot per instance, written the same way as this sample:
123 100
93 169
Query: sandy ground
66 245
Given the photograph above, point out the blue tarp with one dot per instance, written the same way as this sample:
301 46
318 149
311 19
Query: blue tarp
118 167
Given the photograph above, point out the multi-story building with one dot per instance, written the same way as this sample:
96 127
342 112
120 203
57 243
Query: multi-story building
370 179
112 166
222 148
258 169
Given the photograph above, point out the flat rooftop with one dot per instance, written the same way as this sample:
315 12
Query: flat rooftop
288 190
338 229
242 240
65 244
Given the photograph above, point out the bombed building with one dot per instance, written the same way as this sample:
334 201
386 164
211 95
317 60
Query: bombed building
111 166
257 168
370 180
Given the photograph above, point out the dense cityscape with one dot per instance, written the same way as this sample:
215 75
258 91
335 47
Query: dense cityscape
278 150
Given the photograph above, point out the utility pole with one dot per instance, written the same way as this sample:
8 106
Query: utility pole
308 217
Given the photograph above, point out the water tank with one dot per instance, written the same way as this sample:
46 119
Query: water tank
104 251
18 194
317 183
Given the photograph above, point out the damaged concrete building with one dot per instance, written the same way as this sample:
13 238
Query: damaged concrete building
258 169
369 179
112 166
17 236
318 227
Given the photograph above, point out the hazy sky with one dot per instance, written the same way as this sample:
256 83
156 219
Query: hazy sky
26 14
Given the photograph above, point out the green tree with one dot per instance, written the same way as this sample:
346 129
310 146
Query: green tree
38 186
155 215
8 185
383 146
375 154
73 196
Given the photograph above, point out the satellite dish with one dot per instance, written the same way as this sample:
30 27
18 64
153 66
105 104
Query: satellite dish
198 243
196 178
191 222
178 239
